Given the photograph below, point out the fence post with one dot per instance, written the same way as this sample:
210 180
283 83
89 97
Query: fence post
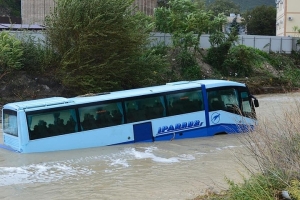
270 45
280 44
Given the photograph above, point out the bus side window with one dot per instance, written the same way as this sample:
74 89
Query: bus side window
116 117
70 127
184 102
141 109
103 119
88 122
51 123
100 116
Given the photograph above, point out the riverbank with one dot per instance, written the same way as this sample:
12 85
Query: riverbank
275 139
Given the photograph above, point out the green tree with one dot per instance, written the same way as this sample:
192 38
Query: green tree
165 3
261 21
234 26
186 21
162 3
11 8
100 42
248 4
223 6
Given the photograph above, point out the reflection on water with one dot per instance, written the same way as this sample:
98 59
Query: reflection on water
179 169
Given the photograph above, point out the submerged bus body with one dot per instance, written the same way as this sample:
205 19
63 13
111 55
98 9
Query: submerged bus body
185 109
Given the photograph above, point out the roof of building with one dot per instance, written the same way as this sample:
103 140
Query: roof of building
17 27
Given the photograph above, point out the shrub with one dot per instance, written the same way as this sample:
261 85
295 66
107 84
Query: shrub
11 53
294 189
99 42
275 145
217 55
184 65
257 186
160 49
240 61
188 64
38 55
154 63
287 64
280 61
296 56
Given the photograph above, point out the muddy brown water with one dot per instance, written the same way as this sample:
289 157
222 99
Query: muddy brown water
178 169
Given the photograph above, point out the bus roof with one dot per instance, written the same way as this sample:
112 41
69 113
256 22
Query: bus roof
180 85
45 102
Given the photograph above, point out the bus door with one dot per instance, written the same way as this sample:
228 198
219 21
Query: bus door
143 132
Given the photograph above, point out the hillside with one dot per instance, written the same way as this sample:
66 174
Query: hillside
249 4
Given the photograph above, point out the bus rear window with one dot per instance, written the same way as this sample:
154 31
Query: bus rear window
10 122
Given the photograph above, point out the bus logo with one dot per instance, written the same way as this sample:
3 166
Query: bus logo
215 118
179 127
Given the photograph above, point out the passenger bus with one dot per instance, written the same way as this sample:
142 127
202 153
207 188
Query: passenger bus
177 110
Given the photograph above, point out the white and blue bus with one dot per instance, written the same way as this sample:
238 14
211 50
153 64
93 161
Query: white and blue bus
185 109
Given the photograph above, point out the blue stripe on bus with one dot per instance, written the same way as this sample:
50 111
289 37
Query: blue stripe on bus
229 128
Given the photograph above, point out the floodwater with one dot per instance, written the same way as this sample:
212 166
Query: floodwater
178 169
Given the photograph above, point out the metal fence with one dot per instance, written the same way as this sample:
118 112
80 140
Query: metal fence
265 43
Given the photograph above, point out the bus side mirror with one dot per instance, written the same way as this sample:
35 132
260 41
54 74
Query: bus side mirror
256 104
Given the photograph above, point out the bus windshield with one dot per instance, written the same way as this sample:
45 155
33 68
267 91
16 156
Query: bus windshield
10 122
231 99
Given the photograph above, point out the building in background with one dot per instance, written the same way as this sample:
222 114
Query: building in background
35 11
235 20
146 6
288 16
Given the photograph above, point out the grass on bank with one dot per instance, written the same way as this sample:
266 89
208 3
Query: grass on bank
275 146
